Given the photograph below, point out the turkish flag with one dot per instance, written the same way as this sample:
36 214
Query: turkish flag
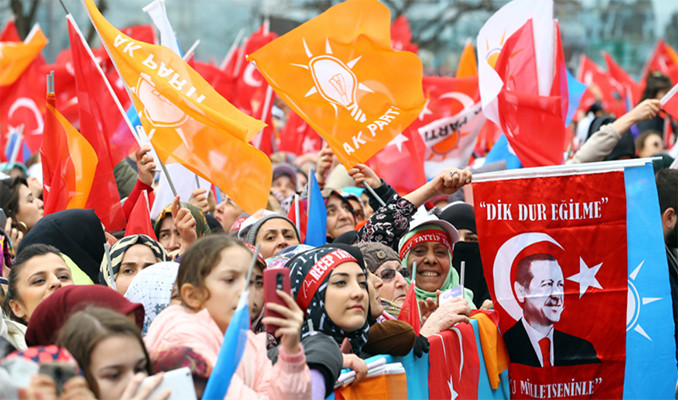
534 124
601 87
139 222
100 118
454 364
664 59
401 35
630 89
554 251
409 312
297 136
401 162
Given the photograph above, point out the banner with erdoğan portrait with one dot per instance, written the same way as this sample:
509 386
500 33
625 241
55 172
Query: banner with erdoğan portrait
560 271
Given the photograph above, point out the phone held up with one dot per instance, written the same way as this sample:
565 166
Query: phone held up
275 279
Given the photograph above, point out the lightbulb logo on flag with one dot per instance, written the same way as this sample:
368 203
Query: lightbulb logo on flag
357 93
335 81
157 108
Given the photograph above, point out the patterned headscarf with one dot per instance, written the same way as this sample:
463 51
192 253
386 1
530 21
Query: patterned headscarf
310 293
201 227
152 287
118 251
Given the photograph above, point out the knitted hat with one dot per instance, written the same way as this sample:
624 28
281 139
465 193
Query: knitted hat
309 273
251 235
375 254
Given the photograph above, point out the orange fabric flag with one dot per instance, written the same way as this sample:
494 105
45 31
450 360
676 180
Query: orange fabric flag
339 73
186 119
68 163
467 62
16 56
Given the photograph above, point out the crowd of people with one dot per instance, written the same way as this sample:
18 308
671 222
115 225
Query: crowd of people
115 308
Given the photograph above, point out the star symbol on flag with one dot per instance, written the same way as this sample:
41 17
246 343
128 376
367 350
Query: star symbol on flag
453 394
586 277
425 111
398 142
308 146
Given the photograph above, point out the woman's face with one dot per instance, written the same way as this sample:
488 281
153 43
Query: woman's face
225 283
114 361
169 235
30 209
256 295
339 217
652 145
374 285
275 235
433 265
283 186
135 259
227 212
39 277
346 298
394 284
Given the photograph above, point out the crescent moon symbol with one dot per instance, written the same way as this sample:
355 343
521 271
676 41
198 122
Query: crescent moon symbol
30 104
248 76
463 98
502 268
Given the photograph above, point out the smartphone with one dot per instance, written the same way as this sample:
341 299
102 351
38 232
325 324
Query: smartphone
3 219
60 373
178 381
275 279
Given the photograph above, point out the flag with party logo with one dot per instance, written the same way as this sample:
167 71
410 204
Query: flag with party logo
186 120
340 74
584 304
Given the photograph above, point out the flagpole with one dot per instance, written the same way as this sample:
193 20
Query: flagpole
264 115
191 49
142 133
296 212
232 49
369 189
17 146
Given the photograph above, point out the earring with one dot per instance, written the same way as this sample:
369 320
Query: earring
20 315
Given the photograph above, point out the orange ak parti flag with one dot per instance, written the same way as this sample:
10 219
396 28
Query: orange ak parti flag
186 120
339 73
15 57
68 163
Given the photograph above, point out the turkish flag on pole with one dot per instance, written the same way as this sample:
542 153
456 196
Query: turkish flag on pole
534 124
629 87
401 162
297 136
409 312
664 59
139 222
601 87
454 364
100 117
669 102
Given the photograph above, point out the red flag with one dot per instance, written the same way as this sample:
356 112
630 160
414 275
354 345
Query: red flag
10 33
555 246
409 312
626 85
139 222
303 217
401 35
68 163
401 162
669 102
534 124
600 87
100 118
454 364
297 136
23 103
663 59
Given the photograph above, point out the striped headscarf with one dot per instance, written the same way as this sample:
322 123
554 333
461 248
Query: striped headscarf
118 252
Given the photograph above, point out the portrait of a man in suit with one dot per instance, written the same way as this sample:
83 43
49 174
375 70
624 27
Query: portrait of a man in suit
533 340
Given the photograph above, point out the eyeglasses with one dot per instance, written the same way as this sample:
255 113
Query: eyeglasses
388 274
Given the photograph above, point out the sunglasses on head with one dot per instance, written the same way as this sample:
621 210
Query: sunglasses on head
390 273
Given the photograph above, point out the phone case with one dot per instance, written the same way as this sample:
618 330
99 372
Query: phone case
275 279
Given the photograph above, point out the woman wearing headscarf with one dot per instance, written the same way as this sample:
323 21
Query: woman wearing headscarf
23 210
129 256
179 225
54 311
77 233
329 284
